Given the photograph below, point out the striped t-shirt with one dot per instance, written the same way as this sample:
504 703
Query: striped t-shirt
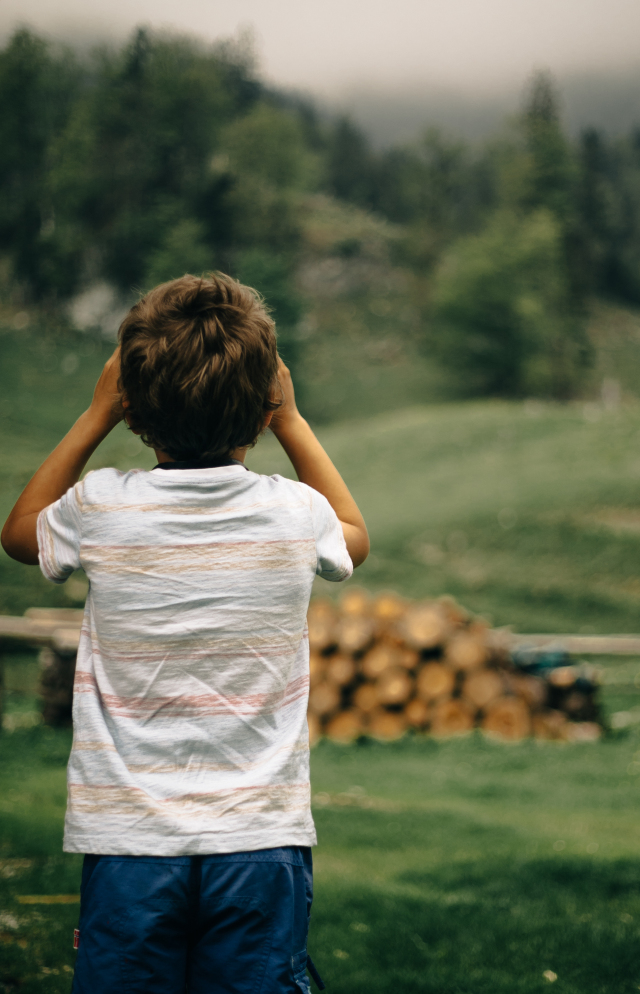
190 696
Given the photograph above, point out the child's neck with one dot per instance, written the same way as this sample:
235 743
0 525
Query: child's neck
239 454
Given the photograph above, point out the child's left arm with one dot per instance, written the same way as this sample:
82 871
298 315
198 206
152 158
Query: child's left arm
62 469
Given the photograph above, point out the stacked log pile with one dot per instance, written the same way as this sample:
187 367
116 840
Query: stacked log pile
381 666
57 660
56 686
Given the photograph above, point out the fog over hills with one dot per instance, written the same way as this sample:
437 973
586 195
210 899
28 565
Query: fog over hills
456 64
608 101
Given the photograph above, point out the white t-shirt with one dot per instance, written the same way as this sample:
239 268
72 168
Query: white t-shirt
190 696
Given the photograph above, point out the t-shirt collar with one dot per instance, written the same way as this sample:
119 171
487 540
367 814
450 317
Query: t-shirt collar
201 463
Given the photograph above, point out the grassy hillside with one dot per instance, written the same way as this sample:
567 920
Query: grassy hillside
528 512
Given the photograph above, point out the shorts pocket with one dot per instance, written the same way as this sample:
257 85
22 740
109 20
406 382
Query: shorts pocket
299 963
235 937
153 947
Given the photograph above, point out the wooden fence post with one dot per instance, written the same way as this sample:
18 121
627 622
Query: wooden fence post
2 689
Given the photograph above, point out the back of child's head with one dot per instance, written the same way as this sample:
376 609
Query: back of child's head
198 366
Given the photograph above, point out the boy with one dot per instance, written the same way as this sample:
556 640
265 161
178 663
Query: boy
188 785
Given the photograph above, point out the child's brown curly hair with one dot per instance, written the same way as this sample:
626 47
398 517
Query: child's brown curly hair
198 366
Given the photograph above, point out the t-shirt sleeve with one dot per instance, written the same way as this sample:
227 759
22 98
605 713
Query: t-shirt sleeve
333 560
60 535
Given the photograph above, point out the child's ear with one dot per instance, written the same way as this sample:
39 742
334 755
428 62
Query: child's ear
267 418
126 404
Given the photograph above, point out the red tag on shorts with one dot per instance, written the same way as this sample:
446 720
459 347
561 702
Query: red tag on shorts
76 938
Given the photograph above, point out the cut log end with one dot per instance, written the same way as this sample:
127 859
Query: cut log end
355 601
366 697
507 718
533 690
583 731
482 687
435 680
388 607
549 724
346 726
453 717
417 713
354 634
340 670
467 651
379 659
563 676
424 626
322 633
324 699
394 686
386 725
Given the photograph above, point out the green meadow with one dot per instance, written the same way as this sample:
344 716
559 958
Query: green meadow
459 867
465 867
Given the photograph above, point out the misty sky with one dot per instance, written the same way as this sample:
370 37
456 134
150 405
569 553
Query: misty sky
330 46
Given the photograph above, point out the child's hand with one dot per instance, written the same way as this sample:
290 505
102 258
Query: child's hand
313 466
63 467
107 396
288 413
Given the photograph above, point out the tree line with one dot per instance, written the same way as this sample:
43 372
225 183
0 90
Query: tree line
165 155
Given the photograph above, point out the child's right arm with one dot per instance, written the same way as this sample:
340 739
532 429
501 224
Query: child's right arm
314 467
63 467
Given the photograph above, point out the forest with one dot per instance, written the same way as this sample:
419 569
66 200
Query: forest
124 167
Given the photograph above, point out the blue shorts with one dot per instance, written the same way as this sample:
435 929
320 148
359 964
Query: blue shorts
233 923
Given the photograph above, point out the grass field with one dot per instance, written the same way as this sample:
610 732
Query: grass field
456 868
465 867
